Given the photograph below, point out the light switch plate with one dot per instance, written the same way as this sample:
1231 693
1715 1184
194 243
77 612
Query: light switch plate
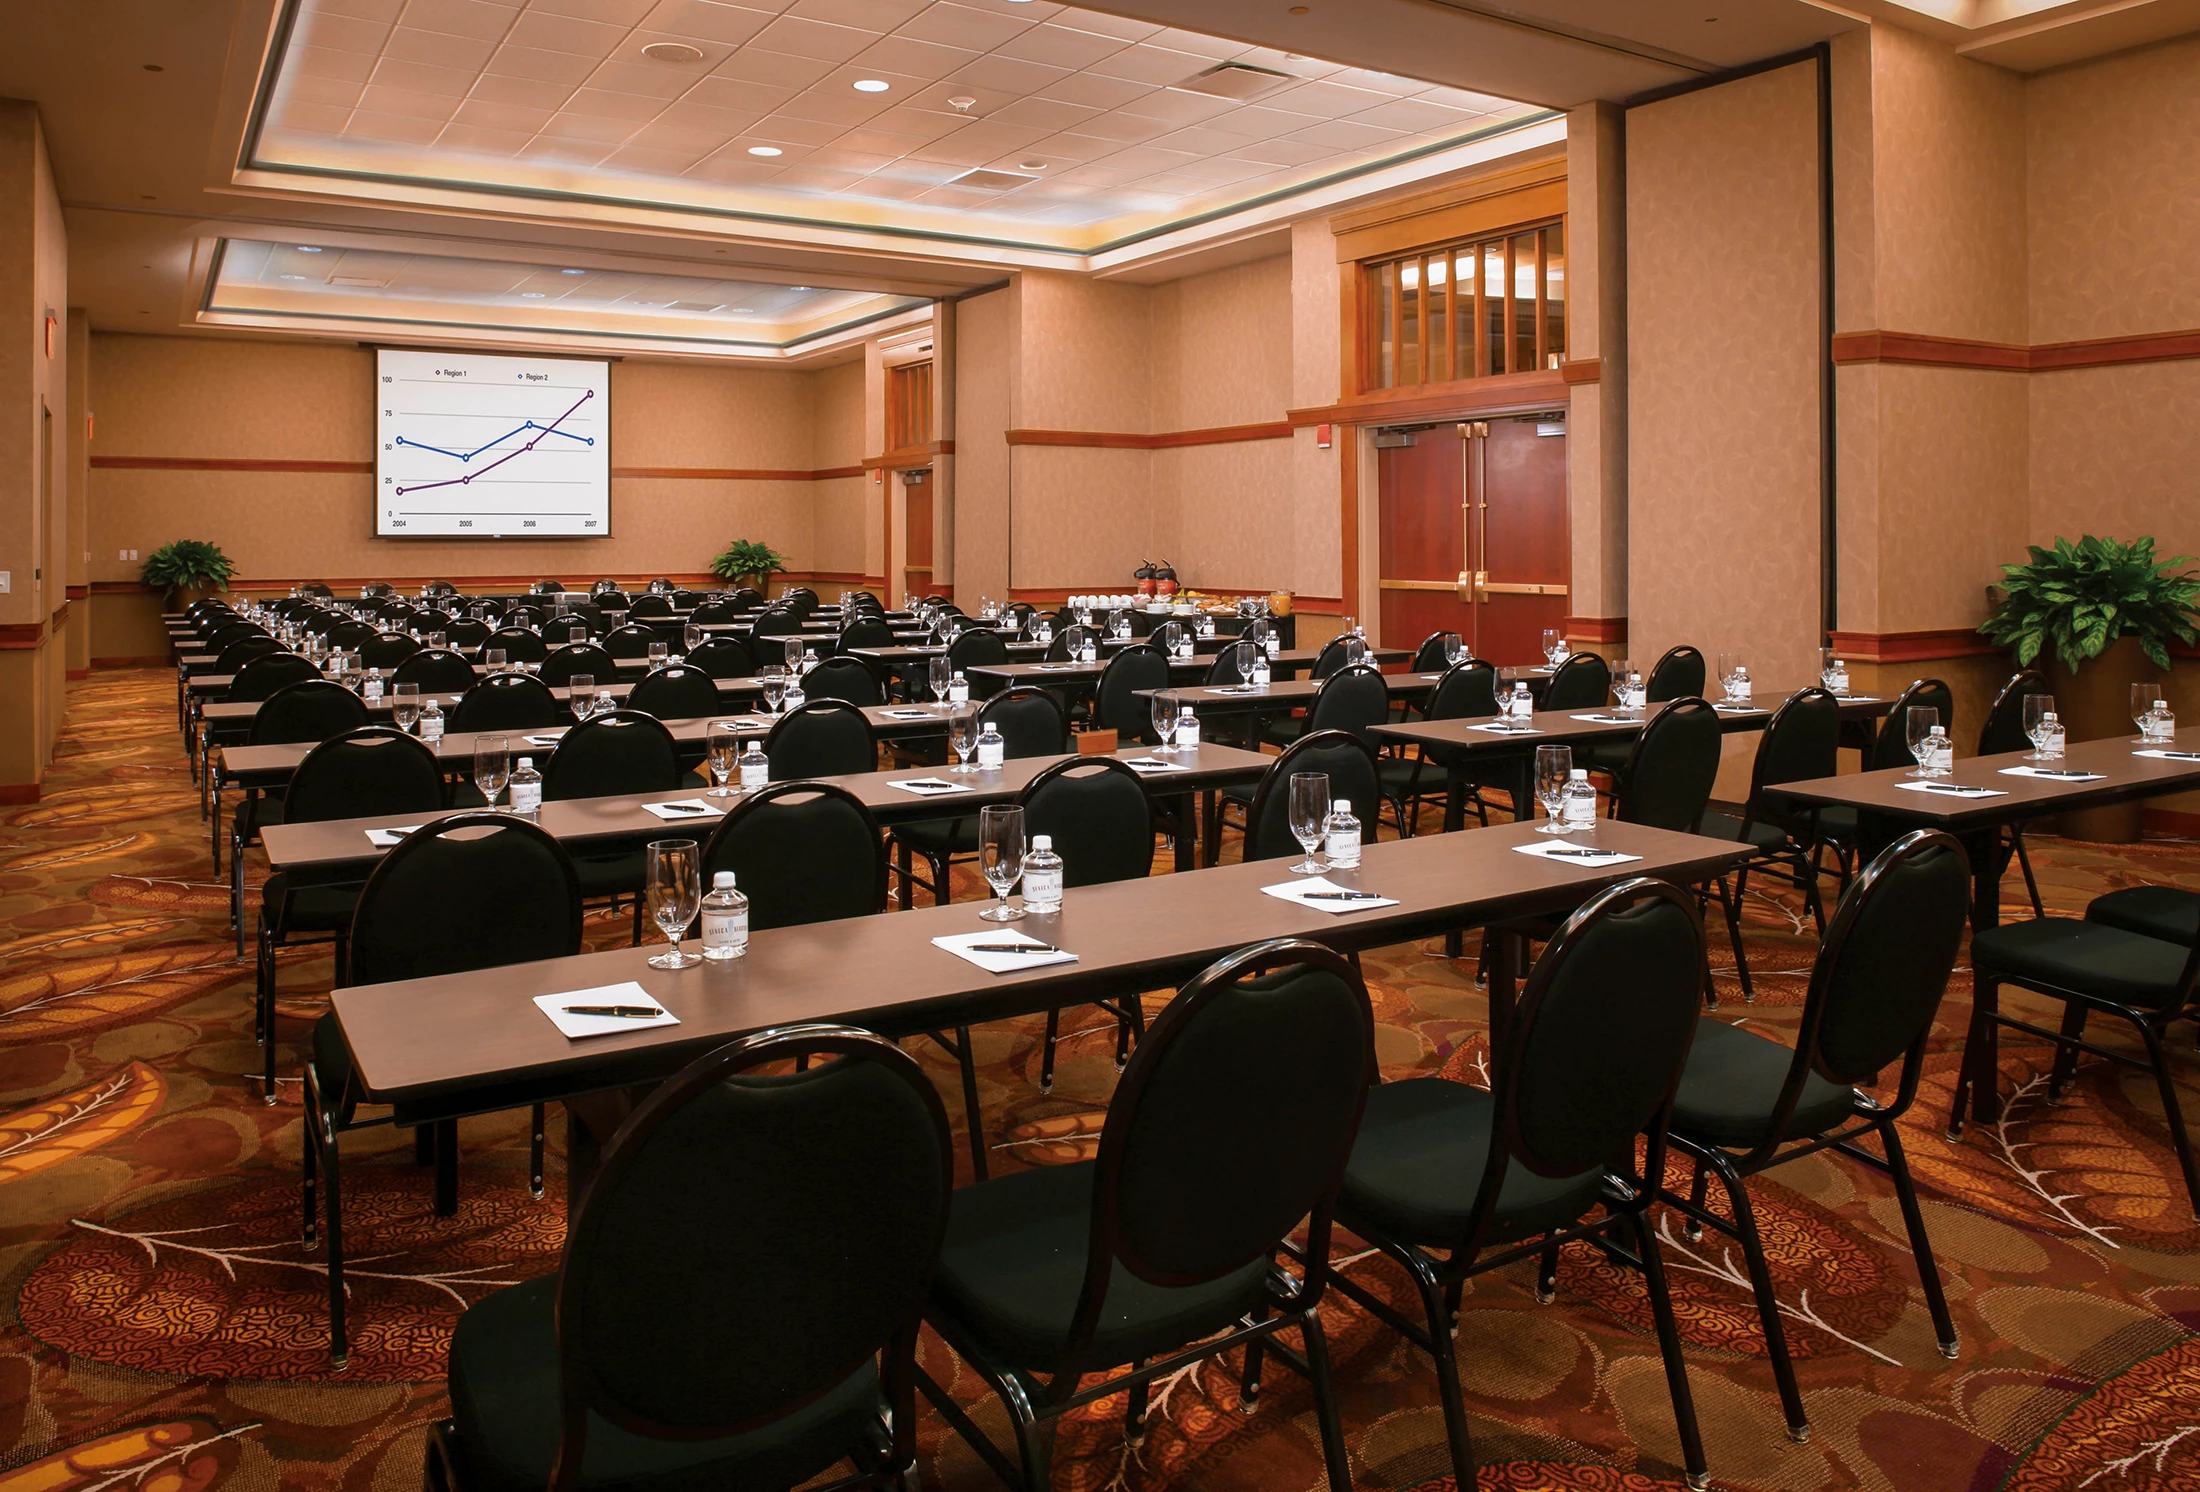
7 582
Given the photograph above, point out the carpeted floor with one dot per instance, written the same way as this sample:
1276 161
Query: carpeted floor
162 1328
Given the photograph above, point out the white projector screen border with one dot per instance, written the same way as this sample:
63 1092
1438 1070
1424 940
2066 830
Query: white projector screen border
476 412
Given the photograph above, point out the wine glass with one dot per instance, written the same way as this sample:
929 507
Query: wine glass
1355 649
722 746
692 635
439 640
675 879
962 732
2036 707
580 694
1551 636
1619 684
1256 632
1309 816
493 658
1164 721
1730 672
492 766
1916 730
405 705
1001 855
2143 697
1554 767
1455 648
938 672
773 679
659 651
792 647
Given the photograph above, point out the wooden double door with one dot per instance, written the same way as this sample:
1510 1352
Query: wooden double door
1473 533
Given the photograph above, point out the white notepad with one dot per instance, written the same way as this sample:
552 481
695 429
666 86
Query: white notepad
1325 895
695 809
929 787
910 714
1507 730
1150 764
384 839
546 739
2052 774
1730 708
1041 955
1952 790
2163 753
1571 854
628 994
1607 719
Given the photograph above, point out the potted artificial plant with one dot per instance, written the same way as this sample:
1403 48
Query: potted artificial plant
2098 616
745 562
188 570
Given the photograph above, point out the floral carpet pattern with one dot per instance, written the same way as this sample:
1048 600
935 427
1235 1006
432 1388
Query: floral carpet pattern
162 1327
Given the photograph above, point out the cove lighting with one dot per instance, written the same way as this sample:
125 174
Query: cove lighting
531 295
305 248
572 271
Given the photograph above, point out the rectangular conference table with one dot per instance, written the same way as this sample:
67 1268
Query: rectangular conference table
447 1047
1886 808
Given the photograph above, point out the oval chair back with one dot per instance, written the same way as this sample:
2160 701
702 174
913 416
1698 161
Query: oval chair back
231 657
1098 813
1582 682
1349 763
1224 669
386 650
1433 655
823 738
361 774
1670 768
1678 674
436 671
649 606
520 645
1116 704
622 751
467 632
260 677
844 678
1467 691
722 657
866 632
1069 641
1354 698
350 634
1891 747
677 691
714 611
1800 742
310 710
629 643
469 891
802 852
976 647
777 621
2004 727
1030 721
505 702
1279 1036
578 657
230 632
1329 659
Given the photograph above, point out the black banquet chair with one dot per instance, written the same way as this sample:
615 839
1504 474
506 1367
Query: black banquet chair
506 702
436 671
607 755
1799 743
822 738
1161 1251
675 692
722 657
802 852
578 657
519 645
1031 723
850 679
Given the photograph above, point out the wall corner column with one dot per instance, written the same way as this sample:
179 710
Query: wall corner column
1596 337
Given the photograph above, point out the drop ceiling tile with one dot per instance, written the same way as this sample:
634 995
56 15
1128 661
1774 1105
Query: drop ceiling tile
344 33
677 139
328 119
410 46
1387 84
630 109
594 127
397 129
1071 147
968 26
1124 129
778 129
913 58
737 169
380 100
1259 122
710 119
297 89
1213 48
418 77
479 19
1098 175
617 12
659 80
1460 98
1095 92
913 125
756 63
1339 134
1122 28
554 33
640 160
328 62
1152 65
1148 158
1199 139
526 92
481 113
1414 116
893 190
366 10
838 157
1283 152
701 20
1009 75
812 179
814 39
540 65
879 16
475 140
827 105
957 151
1324 100
889 143
565 152
1177 107
1220 171
1059 46
1043 114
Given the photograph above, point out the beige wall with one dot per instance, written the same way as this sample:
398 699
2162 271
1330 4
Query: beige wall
846 529
1596 309
985 360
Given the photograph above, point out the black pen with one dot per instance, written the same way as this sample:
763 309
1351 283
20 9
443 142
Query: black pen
2180 756
2049 772
1961 792
1011 948
1581 854
1340 896
625 1012
678 808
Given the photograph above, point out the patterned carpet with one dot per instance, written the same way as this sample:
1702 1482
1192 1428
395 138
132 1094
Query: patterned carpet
161 1327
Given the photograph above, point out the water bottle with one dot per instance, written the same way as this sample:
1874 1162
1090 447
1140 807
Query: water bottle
1520 706
1262 673
1089 652
1741 684
2160 725
1206 626
1272 644
992 750
809 659
371 690
1837 677
1187 729
526 784
958 689
1341 836
1577 803
2052 736
1042 876
725 919
431 722
1937 753
755 768
794 698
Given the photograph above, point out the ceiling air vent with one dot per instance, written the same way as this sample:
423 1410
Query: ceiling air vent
692 305
991 181
1239 80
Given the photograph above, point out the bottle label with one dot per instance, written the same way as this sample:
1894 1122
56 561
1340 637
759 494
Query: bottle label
755 775
1342 846
431 727
958 693
1261 671
991 753
726 929
1578 810
1187 731
527 797
1042 889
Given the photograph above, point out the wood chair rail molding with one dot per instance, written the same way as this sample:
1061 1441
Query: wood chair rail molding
1049 595
2013 357
1166 440
1503 393
1596 630
1910 647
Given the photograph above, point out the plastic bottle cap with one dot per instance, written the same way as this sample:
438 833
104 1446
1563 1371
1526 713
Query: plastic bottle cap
722 881
1579 774
1042 841
1342 805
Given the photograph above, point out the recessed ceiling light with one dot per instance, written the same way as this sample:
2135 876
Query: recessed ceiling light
672 51
572 271
744 310
306 248
293 277
798 287
531 295
872 85
1031 165
763 150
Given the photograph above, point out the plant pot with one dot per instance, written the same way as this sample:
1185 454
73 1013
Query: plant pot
2095 704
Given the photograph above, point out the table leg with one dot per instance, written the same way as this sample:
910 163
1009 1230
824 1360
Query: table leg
1455 820
1501 946
1185 806
1979 1081
591 1119
446 1167
1523 786
214 815
236 872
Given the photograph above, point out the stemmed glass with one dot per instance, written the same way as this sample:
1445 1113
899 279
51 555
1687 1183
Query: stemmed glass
1247 651
1164 721
1455 648
1917 730
492 766
1554 766
580 694
659 651
1309 816
962 732
938 672
692 635
792 647
1355 649
1001 856
2143 697
675 879
773 679
405 706
1730 672
1551 637
723 746
1256 632
2036 708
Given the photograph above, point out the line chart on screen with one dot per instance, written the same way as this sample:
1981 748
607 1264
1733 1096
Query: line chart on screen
479 445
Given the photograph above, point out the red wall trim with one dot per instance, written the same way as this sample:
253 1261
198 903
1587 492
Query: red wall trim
18 635
1911 647
725 473
1216 435
1596 628
1582 370
227 463
146 662
76 592
1503 393
2011 357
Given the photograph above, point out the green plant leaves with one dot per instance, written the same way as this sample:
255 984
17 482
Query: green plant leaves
745 559
191 563
2080 598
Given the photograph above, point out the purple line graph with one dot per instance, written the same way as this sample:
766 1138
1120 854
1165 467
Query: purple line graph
542 433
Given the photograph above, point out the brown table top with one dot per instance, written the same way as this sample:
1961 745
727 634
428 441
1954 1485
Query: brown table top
2125 776
1561 727
1076 673
223 712
474 1042
341 846
1284 694
904 653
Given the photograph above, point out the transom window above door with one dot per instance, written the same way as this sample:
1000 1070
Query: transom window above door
1492 304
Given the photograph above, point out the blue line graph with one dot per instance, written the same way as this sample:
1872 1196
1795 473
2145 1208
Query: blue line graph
420 445
544 431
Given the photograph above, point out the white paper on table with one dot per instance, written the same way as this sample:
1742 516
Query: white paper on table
1150 764
1858 699
930 787
2052 775
1952 790
910 714
577 1026
385 839
1730 708
545 739
1570 854
1431 677
1322 894
1054 667
1507 730
1237 689
2163 753
1607 719
1004 963
670 809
